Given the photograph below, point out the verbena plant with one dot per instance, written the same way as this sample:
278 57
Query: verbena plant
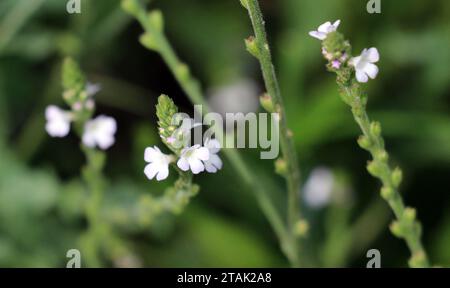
188 159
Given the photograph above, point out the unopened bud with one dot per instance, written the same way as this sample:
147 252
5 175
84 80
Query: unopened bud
267 103
156 20
375 129
281 166
252 48
301 228
364 142
387 192
397 176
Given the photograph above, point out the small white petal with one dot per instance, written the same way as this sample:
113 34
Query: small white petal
202 153
210 168
108 124
196 165
336 23
183 164
57 129
372 55
105 141
371 70
58 121
325 27
318 35
361 76
52 112
216 161
88 140
213 145
151 154
163 173
151 170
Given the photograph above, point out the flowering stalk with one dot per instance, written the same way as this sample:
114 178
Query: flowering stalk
98 132
288 165
337 51
178 196
155 39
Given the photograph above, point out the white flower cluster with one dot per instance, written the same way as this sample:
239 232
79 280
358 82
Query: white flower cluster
195 158
98 132
363 64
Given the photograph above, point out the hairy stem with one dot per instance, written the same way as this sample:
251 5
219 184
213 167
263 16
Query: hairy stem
260 49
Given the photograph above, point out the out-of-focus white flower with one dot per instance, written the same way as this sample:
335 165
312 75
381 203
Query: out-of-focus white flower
240 96
100 132
214 163
364 66
324 29
192 157
317 191
158 163
58 121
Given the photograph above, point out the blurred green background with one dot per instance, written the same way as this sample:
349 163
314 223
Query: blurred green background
42 196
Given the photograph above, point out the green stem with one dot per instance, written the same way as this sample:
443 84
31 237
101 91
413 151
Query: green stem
262 52
192 89
406 226
93 177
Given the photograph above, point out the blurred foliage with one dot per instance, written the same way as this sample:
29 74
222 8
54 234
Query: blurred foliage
41 196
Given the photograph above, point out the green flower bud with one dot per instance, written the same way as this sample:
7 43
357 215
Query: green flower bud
375 129
387 193
183 71
252 48
267 103
281 166
410 214
72 77
148 40
396 229
165 111
335 44
382 155
301 228
374 168
364 142
397 176
130 6
418 260
156 20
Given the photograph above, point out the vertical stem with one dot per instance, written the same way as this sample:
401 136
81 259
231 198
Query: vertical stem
93 177
270 79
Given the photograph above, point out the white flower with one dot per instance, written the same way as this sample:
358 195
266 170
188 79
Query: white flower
324 29
213 164
58 121
192 157
319 187
100 132
158 163
364 66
